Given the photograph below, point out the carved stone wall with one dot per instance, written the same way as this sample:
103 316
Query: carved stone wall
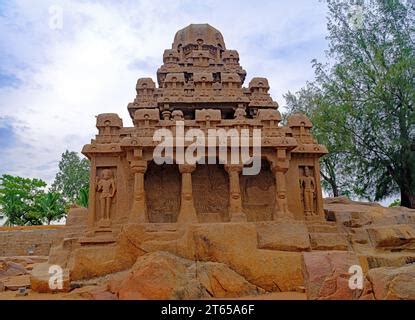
211 191
258 194
162 184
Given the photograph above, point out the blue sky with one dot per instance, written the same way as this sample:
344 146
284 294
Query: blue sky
54 79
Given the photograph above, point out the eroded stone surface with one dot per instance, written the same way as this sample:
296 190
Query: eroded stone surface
284 236
161 275
326 275
40 279
393 283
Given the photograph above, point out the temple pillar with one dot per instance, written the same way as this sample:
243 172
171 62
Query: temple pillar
235 200
187 212
138 213
280 169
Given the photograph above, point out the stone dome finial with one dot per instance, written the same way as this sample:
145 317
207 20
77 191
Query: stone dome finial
299 119
198 34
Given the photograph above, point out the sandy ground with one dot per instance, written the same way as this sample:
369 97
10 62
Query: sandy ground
11 295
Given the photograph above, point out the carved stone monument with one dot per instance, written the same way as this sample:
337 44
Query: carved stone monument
200 86
209 227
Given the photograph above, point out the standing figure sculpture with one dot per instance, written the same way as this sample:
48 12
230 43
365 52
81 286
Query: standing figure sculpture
106 186
308 188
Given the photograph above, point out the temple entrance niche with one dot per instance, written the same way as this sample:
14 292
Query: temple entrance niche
211 192
162 184
258 194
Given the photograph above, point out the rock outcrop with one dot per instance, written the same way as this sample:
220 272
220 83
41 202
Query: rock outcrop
230 260
162 275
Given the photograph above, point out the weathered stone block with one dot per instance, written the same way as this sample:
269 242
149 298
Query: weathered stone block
328 241
326 275
392 237
40 277
393 283
283 236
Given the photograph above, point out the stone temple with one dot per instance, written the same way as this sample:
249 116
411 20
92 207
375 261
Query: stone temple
201 84
208 230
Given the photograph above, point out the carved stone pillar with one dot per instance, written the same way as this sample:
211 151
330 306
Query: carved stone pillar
187 212
280 169
235 200
138 212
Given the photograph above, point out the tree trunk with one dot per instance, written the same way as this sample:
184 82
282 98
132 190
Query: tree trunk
407 199
335 190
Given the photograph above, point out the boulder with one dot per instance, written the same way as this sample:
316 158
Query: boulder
284 236
393 283
162 275
41 275
91 292
103 295
326 275
16 282
234 244
24 260
389 259
98 260
9 269
393 236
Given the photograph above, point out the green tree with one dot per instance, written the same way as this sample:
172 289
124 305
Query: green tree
49 207
17 199
73 176
367 92
83 197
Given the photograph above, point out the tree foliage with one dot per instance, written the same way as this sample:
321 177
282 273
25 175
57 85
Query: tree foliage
26 202
83 197
362 100
49 207
73 176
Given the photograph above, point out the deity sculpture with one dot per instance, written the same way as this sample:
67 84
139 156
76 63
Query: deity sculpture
240 113
308 188
106 187
177 115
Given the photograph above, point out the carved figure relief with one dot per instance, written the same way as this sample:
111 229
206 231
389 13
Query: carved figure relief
106 188
308 190
240 113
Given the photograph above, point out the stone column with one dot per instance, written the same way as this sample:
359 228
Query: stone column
187 212
280 169
138 212
235 200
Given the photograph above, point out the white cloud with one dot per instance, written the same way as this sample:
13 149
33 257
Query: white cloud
90 66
